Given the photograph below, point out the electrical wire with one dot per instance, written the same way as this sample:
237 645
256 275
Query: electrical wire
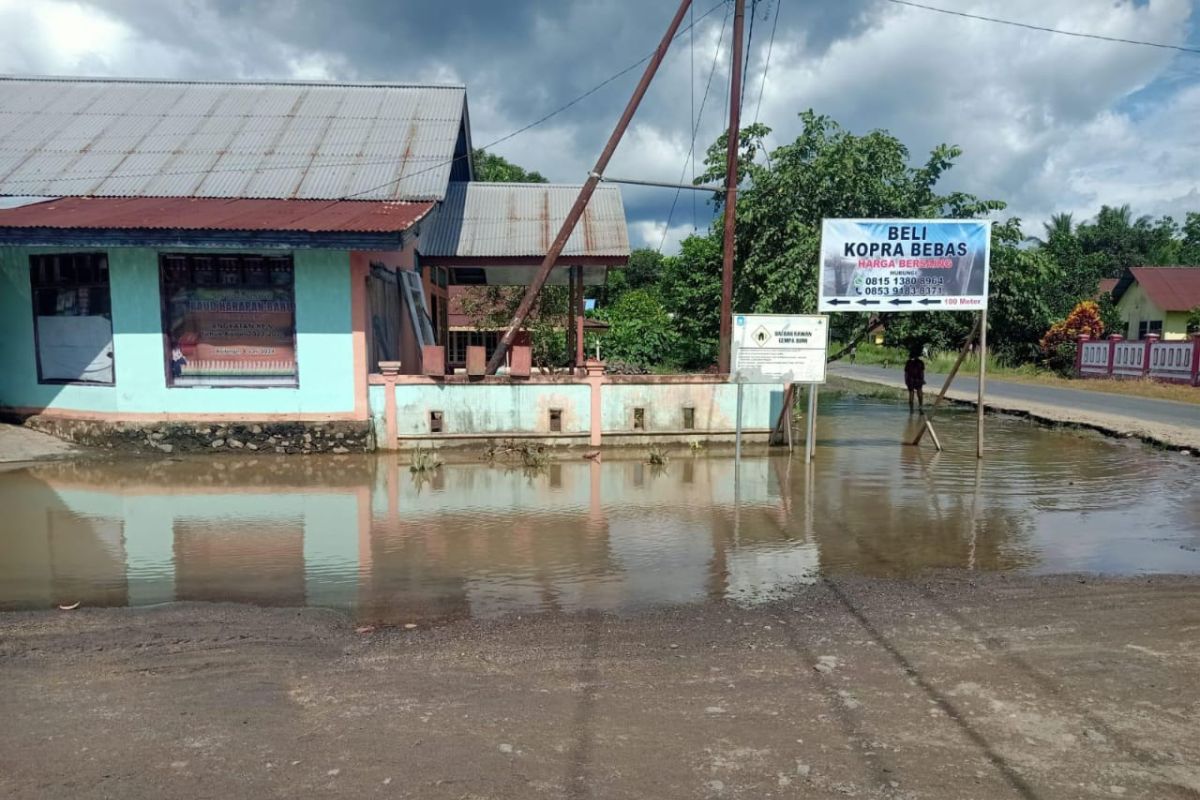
746 61
1045 29
767 63
696 129
565 106
692 112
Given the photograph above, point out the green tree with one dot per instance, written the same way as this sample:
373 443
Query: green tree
691 293
1115 241
826 172
1189 247
644 270
782 199
640 331
497 169
1023 298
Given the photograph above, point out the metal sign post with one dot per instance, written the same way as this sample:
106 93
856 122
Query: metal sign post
810 423
982 381
737 436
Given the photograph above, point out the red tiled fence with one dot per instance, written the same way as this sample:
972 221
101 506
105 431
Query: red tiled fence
1176 361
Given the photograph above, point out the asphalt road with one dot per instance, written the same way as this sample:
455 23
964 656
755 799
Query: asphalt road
1166 412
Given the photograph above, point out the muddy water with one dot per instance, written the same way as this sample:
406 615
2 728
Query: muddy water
361 533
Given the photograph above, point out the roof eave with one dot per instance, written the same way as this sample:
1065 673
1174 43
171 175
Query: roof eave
223 239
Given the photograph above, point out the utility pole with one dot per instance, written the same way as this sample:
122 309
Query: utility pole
589 187
731 182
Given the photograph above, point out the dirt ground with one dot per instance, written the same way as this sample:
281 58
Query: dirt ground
955 686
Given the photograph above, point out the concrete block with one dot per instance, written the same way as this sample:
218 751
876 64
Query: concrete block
476 361
521 363
433 360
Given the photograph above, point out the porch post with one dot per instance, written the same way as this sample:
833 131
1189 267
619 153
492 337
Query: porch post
579 354
570 332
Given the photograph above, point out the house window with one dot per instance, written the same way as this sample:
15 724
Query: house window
72 318
230 320
689 419
1149 326
457 349
639 419
556 420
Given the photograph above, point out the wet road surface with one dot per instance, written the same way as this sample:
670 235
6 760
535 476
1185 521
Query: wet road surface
1167 412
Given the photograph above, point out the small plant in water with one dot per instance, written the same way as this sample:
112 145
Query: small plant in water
424 460
658 456
696 445
532 455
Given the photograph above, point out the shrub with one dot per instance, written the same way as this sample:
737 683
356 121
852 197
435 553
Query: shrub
1059 342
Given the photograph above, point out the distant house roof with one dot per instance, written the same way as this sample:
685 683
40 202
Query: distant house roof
518 222
272 140
1106 286
1169 288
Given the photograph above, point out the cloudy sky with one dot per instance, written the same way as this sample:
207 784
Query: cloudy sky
1048 123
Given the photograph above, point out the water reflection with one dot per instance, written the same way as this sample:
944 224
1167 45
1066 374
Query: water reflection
363 534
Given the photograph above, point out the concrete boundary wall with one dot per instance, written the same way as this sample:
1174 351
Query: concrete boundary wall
1172 361
562 410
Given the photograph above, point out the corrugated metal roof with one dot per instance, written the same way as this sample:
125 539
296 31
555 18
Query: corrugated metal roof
186 213
68 136
521 219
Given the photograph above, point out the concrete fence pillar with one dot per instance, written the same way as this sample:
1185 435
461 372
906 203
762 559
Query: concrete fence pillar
1151 339
1083 339
1113 338
1196 359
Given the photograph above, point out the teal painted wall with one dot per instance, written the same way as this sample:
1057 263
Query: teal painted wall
323 344
492 408
715 404
486 409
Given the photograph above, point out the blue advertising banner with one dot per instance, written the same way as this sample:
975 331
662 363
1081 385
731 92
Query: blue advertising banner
904 265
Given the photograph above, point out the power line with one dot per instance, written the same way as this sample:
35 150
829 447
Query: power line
746 61
1044 29
563 107
692 113
696 129
767 64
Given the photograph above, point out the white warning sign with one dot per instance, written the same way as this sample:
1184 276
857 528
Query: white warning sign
779 348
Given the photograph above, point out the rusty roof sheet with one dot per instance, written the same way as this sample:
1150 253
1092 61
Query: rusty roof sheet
521 219
278 140
216 214
1169 288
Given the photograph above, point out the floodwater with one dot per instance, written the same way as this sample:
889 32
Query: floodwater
363 534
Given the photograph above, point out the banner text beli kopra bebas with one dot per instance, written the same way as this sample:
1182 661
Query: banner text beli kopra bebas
904 265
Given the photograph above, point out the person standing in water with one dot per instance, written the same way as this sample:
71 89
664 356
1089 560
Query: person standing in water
914 379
